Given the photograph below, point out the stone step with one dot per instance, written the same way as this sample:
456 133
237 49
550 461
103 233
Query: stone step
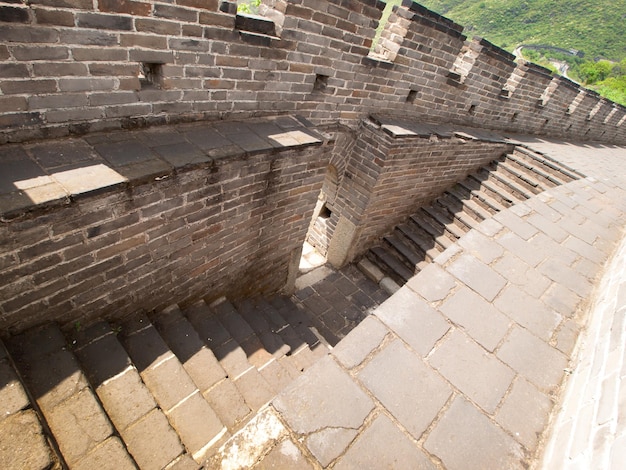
437 230
511 183
470 204
475 188
195 422
496 188
445 219
546 178
265 331
454 208
391 264
24 443
412 257
143 426
421 240
561 171
78 423
525 176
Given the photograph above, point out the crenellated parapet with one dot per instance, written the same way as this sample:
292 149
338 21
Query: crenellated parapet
74 67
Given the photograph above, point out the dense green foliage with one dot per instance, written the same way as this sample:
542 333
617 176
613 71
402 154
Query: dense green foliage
598 28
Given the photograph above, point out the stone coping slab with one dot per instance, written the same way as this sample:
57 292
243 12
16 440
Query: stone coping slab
55 172
466 371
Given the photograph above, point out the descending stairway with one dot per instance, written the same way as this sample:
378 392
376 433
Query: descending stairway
159 391
430 230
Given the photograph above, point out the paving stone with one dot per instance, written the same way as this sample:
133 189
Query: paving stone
585 249
551 229
527 311
317 399
284 456
110 454
490 227
478 317
183 462
562 300
361 341
524 413
477 276
465 439
197 425
566 336
88 178
564 275
382 444
432 283
13 398
516 271
125 398
37 343
143 343
254 389
228 403
23 444
181 154
482 247
412 392
152 442
534 359
412 320
78 425
475 372
529 253
328 443
515 224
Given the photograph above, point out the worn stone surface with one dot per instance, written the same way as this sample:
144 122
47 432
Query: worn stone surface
22 442
466 439
411 391
361 341
385 446
413 320
317 400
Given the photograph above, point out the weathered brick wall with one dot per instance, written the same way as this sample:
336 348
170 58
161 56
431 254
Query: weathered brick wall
225 228
388 177
76 66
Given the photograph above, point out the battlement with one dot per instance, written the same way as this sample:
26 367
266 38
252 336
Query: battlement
76 66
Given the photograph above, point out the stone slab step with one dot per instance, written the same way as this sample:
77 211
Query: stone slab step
486 192
496 188
296 319
421 239
457 210
469 203
197 359
560 170
445 219
74 416
526 176
264 330
391 264
433 228
195 422
413 257
547 179
126 399
24 443
512 184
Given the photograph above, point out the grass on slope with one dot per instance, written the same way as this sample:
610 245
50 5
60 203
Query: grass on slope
598 28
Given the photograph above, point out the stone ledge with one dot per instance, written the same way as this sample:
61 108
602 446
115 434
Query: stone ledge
44 174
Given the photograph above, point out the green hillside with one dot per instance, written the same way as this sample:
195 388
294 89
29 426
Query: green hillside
598 27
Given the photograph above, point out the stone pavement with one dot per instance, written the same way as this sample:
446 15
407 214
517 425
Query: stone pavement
463 367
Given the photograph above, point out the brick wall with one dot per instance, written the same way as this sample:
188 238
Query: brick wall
77 66
227 228
388 177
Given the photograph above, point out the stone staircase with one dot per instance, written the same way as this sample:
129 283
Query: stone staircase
159 391
428 232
